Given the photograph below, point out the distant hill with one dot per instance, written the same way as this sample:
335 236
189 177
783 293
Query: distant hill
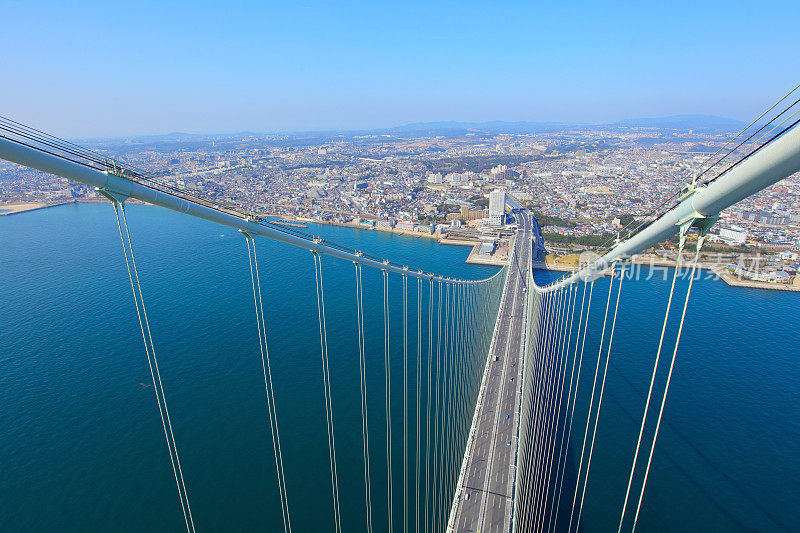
673 122
700 123
685 122
461 128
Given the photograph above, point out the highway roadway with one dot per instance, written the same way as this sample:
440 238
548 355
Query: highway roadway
483 496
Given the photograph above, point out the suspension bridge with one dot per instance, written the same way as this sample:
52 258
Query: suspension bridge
489 412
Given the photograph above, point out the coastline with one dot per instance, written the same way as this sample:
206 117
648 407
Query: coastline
288 219
733 281
17 208
474 258
719 271
552 264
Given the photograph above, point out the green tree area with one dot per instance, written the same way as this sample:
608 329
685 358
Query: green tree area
479 200
607 239
628 221
583 240
547 220
442 210
477 163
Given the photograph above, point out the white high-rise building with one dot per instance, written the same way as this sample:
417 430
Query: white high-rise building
733 235
497 207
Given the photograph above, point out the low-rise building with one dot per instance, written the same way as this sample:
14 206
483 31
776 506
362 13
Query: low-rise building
405 225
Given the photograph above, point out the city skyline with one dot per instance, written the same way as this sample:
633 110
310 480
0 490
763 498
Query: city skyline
705 123
415 219
140 69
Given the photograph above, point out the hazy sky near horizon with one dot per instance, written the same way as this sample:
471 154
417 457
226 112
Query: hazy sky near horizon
87 69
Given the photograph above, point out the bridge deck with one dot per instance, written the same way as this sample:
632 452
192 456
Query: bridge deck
483 498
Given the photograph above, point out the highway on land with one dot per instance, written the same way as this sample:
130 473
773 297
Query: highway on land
484 495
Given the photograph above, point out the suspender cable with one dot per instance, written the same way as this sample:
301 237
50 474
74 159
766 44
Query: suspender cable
549 403
452 419
388 373
465 378
544 404
602 388
548 503
534 375
362 366
564 448
455 417
418 376
428 405
454 390
405 403
529 367
566 338
552 401
445 406
539 406
591 404
457 381
437 419
446 411
533 363
700 240
652 381
461 381
326 380
472 366
446 394
267 370
152 363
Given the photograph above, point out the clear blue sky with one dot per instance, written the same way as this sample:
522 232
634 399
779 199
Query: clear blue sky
113 68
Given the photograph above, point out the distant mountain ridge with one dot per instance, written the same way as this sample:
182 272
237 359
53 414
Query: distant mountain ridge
686 122
457 127
702 123
677 122
488 124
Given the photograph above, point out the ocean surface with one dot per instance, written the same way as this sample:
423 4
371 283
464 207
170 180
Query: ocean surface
81 443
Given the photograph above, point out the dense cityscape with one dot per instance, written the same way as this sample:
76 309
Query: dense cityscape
496 267
585 184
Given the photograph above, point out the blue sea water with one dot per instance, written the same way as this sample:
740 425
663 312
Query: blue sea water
82 445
